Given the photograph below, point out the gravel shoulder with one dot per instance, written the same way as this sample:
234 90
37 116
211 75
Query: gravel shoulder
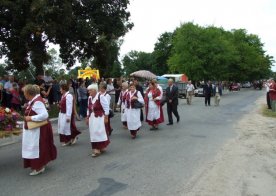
246 165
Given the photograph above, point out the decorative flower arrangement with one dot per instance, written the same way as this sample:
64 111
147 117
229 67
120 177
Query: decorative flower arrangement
8 122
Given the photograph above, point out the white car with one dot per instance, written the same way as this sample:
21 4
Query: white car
246 85
199 92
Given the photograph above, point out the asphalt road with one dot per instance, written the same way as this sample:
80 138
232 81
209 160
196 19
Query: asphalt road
156 163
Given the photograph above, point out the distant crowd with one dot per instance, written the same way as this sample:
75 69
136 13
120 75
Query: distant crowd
12 96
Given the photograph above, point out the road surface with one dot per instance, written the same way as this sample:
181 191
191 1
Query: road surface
156 163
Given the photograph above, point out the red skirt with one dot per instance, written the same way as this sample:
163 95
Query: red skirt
100 145
74 132
47 149
104 144
157 121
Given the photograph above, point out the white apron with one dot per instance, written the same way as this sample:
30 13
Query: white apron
97 129
133 117
97 126
123 113
63 126
30 143
153 109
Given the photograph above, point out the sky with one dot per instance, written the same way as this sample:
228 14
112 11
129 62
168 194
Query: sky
151 18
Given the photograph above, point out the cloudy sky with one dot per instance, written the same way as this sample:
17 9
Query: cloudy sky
151 18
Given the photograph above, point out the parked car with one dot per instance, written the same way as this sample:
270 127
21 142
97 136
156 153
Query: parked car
246 85
199 91
164 87
234 87
182 89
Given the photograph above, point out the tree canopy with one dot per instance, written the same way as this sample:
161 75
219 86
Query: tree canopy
82 29
135 60
211 53
205 53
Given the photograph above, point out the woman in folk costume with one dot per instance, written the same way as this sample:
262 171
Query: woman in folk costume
66 119
154 112
133 114
97 118
37 144
122 103
103 92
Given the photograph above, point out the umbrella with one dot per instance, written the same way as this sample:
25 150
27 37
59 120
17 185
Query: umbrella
143 74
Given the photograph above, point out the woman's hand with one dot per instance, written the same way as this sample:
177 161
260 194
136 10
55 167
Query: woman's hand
28 118
68 120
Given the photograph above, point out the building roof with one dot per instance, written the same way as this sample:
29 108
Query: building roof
172 75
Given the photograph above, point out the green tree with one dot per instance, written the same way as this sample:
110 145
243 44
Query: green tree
161 53
253 63
3 70
188 52
106 59
135 61
211 53
82 29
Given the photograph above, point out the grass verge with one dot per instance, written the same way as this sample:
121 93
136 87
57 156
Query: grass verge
267 112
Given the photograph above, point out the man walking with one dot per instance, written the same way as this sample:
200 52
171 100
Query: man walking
267 86
190 92
172 101
217 93
207 91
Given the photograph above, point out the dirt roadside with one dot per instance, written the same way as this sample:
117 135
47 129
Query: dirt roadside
245 166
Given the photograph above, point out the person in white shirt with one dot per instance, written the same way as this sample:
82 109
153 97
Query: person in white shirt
66 119
122 103
154 111
190 92
111 91
217 91
38 147
97 118
103 92
132 113
267 87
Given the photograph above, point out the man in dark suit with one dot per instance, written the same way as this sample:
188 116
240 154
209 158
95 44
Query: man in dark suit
207 91
172 101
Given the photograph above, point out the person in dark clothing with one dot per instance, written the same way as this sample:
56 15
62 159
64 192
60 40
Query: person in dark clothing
117 88
2 95
139 88
207 91
172 101
39 80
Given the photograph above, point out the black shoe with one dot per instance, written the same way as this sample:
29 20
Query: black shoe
152 129
170 124
178 119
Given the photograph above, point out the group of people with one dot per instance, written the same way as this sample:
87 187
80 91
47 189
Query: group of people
270 86
38 146
209 90
10 93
